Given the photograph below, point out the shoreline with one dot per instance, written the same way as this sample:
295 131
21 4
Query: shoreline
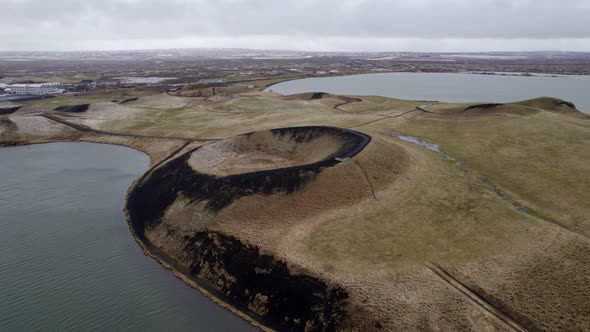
156 160
266 87
190 281
571 94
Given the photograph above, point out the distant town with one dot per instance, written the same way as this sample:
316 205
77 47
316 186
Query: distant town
34 75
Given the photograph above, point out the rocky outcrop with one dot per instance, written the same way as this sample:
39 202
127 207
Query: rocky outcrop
264 285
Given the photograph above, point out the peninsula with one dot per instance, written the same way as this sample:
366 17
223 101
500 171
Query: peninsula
319 212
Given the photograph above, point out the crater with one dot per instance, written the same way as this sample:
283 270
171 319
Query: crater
171 208
264 162
275 149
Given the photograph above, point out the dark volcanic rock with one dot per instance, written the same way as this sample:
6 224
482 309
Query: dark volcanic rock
559 102
259 283
128 100
7 123
265 285
482 106
177 176
9 110
73 108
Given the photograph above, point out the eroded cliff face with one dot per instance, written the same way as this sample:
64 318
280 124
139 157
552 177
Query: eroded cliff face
171 208
265 285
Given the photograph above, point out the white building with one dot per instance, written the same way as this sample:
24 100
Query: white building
36 89
212 81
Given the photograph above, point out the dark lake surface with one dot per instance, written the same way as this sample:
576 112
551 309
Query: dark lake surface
67 258
448 87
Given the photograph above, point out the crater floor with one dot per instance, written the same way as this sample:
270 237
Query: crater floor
272 149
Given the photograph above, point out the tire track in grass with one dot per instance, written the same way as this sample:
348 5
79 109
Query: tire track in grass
87 129
475 298
518 205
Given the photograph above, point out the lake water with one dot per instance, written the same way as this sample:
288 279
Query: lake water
448 87
67 258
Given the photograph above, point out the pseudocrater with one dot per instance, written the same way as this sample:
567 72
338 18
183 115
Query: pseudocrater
276 148
181 198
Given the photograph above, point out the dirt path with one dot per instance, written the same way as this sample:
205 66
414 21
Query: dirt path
423 109
337 106
474 297
384 117
493 188
87 129
366 177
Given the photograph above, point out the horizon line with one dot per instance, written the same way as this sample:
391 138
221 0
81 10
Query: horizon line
280 50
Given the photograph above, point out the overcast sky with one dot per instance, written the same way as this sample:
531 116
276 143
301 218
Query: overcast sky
320 25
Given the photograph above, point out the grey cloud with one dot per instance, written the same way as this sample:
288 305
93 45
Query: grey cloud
357 19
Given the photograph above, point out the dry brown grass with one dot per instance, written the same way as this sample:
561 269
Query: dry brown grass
424 210
375 224
88 98
433 213
371 104
218 119
540 159
258 151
